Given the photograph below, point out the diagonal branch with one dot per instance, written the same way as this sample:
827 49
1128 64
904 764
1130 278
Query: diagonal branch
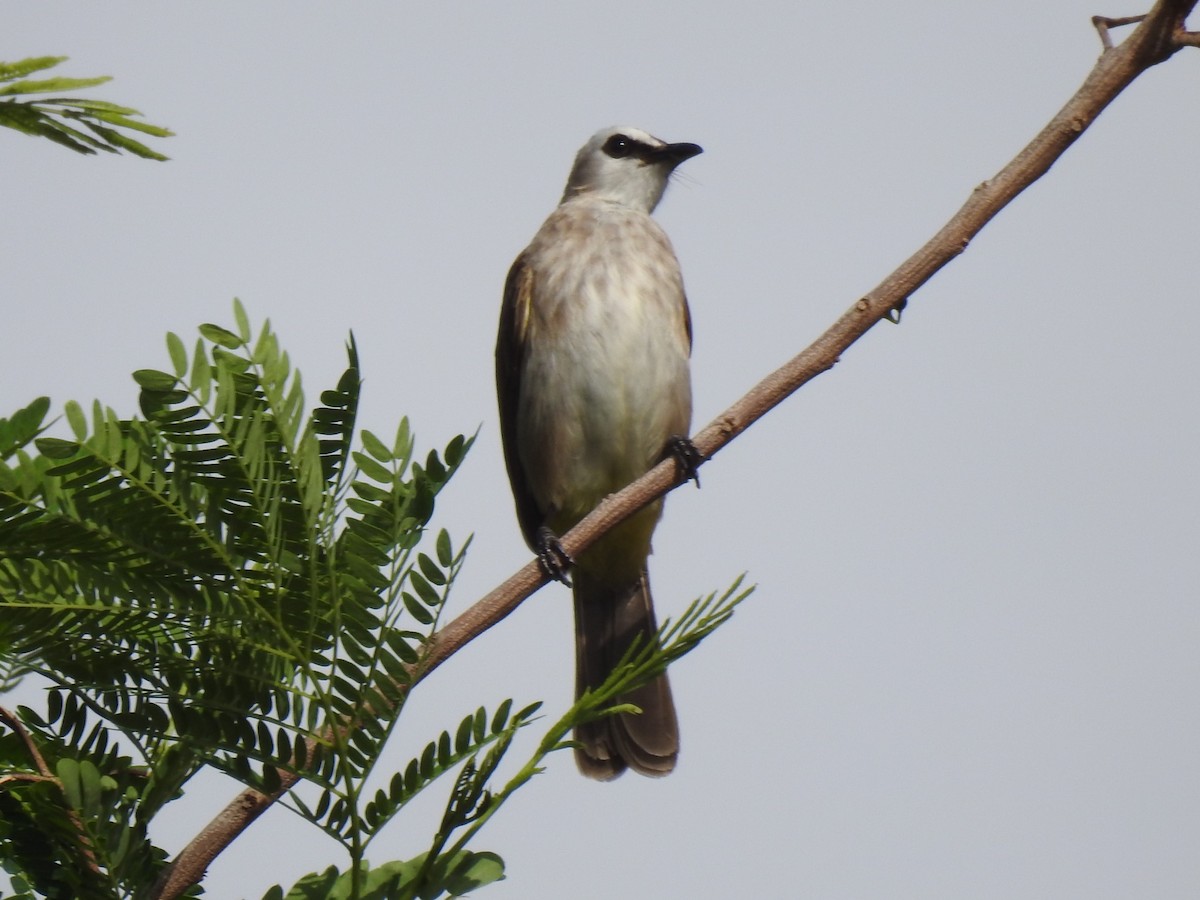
1160 33
10 719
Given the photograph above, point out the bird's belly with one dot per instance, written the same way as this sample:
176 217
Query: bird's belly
611 387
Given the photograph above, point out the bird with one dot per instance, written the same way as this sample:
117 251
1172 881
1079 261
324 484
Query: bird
594 388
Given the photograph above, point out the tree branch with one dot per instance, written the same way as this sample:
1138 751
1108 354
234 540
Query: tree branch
9 718
1160 33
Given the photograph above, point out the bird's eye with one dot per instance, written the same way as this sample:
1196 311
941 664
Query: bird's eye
619 146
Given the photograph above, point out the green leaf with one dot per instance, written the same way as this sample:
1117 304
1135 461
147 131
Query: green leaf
416 609
431 571
500 719
373 470
222 337
178 354
428 594
103 105
76 419
120 116
50 85
56 448
445 552
456 450
68 774
242 320
153 380
90 787
9 71
376 448
24 425
115 139
475 870
403 443
462 738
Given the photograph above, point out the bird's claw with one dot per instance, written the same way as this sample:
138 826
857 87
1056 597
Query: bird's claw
554 560
687 456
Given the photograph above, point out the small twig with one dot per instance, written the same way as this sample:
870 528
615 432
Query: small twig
1103 23
25 777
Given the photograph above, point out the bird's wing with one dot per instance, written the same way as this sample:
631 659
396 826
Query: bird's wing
510 361
687 323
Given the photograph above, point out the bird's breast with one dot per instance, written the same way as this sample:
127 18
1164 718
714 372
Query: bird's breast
605 377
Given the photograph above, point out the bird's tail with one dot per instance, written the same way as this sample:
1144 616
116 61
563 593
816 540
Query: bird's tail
607 620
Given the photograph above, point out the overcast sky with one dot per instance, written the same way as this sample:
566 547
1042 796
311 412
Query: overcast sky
970 668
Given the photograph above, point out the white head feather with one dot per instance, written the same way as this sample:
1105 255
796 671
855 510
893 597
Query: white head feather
626 165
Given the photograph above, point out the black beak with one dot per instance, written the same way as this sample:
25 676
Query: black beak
676 153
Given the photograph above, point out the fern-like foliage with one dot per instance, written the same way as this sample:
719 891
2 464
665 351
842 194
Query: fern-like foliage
225 580
642 663
84 126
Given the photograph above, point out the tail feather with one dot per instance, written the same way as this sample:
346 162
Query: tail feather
607 620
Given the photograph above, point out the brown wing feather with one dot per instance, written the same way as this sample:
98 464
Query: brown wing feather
510 361
687 324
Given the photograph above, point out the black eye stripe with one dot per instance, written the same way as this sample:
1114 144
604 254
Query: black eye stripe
620 146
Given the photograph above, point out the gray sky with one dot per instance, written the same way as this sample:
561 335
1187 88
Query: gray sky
970 668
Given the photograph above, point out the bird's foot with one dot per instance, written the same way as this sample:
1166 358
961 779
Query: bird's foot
551 556
687 457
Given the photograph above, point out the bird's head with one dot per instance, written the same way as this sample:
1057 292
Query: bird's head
627 166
